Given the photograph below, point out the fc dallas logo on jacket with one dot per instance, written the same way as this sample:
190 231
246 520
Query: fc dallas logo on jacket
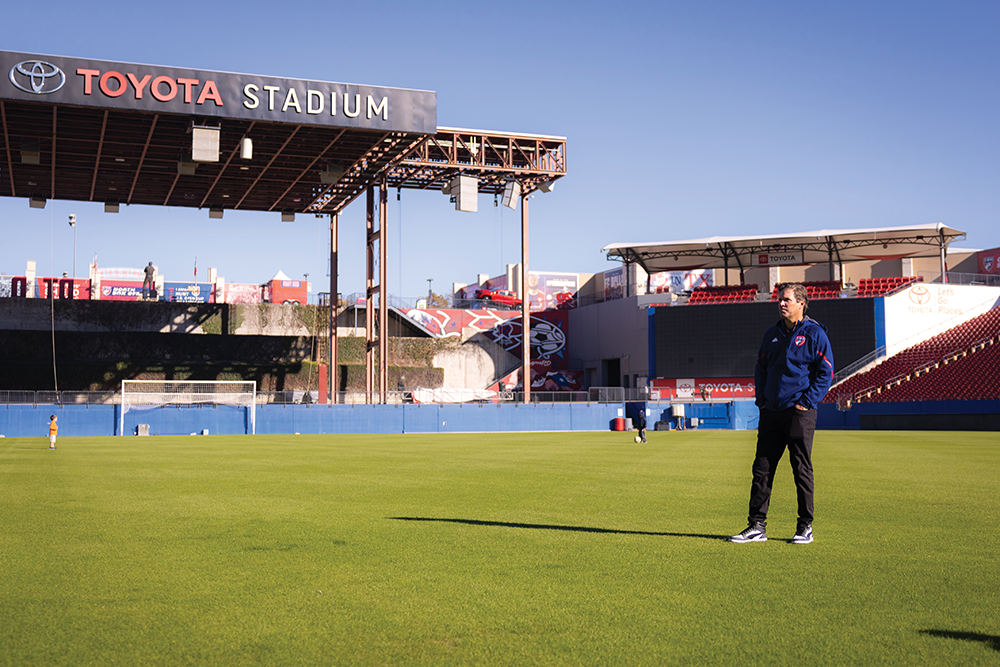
799 341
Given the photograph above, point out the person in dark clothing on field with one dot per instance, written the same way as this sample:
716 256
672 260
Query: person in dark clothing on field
640 421
147 282
793 373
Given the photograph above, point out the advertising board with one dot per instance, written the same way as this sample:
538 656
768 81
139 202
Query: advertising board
243 293
783 258
927 309
703 388
187 292
614 284
63 288
552 291
680 281
172 90
121 290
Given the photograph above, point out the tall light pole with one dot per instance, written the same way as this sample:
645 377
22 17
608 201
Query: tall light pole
72 223
430 293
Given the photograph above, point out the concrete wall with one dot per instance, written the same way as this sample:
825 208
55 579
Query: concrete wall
475 364
156 317
616 329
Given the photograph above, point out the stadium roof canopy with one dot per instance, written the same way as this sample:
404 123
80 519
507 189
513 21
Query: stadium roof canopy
817 247
126 133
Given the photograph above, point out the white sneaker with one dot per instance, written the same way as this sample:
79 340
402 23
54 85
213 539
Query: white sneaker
803 533
755 532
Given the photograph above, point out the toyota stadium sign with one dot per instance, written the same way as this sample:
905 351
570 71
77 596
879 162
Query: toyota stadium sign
130 86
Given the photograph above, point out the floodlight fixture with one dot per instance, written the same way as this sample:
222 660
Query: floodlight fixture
204 144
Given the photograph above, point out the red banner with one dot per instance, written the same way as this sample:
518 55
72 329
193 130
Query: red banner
989 261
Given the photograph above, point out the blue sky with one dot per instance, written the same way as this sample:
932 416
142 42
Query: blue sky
683 120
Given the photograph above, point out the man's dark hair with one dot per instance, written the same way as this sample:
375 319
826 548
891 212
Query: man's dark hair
799 291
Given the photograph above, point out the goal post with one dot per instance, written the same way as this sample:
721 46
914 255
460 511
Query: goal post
154 394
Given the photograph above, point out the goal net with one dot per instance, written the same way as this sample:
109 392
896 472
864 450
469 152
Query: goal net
148 395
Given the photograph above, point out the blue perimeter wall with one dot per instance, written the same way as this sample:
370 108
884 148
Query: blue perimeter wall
831 418
19 421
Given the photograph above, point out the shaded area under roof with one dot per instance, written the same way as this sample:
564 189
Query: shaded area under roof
816 247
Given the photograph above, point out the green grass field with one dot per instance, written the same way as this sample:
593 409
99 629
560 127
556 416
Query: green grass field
534 549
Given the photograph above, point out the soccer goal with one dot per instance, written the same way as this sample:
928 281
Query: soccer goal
157 394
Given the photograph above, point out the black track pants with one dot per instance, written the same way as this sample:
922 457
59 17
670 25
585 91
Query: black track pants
794 429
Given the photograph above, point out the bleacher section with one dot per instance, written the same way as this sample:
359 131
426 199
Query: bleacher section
724 294
823 289
883 286
960 363
971 377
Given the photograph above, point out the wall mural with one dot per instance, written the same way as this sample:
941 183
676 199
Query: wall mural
549 331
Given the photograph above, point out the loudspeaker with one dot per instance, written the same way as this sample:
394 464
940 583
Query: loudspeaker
511 193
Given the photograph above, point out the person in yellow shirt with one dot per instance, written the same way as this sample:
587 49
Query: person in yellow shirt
53 430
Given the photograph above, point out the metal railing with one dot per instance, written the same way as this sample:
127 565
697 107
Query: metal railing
299 397
20 397
955 278
853 368
925 368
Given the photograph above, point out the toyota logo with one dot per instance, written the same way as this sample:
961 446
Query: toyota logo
37 76
920 295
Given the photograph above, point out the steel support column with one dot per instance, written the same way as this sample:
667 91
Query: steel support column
369 292
334 303
383 291
525 305
944 257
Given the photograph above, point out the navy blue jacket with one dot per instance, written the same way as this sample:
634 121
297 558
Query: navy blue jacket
793 367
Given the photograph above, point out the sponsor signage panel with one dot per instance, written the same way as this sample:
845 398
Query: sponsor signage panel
778 258
927 309
121 290
552 291
614 284
155 88
187 292
680 281
243 293
714 388
63 288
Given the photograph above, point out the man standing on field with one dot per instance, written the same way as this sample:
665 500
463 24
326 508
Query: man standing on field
793 373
